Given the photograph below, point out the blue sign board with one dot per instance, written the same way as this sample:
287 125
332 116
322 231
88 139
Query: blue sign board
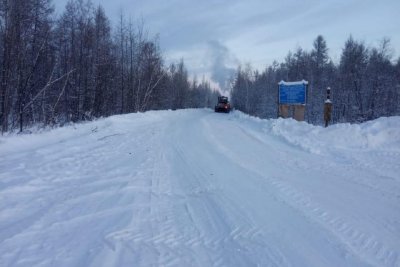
292 93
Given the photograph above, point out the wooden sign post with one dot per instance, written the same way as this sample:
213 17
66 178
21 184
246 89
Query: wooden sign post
299 112
328 107
284 111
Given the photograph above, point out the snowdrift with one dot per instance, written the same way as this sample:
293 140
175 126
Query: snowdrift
379 134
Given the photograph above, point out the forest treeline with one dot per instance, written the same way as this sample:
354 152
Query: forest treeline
365 84
76 66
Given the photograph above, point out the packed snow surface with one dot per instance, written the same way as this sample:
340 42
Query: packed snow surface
198 188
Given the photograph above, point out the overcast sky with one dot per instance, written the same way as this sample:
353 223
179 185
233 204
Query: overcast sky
214 36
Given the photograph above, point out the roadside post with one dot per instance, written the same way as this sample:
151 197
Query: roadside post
328 107
292 95
284 111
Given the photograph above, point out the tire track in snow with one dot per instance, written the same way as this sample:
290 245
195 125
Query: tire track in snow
218 221
189 210
80 189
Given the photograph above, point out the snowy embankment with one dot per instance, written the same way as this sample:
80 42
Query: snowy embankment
195 188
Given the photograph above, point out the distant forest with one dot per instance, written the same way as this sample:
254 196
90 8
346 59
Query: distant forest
75 67
365 84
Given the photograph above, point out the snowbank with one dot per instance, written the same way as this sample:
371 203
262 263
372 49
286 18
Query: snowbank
43 137
379 134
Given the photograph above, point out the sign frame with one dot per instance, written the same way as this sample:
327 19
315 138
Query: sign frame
292 93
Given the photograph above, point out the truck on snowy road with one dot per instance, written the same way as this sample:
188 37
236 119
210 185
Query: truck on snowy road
223 105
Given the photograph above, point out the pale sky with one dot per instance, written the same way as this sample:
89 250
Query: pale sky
215 36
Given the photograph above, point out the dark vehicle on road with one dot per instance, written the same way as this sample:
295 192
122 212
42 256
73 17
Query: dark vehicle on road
223 105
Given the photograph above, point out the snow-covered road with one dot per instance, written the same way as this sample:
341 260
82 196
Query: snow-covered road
195 188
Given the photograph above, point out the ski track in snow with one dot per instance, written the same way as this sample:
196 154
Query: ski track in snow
195 188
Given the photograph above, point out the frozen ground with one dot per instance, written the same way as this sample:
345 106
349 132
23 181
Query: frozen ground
195 188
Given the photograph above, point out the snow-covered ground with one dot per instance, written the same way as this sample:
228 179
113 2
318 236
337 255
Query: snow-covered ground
196 188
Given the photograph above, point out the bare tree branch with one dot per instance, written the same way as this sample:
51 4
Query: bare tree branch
49 83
